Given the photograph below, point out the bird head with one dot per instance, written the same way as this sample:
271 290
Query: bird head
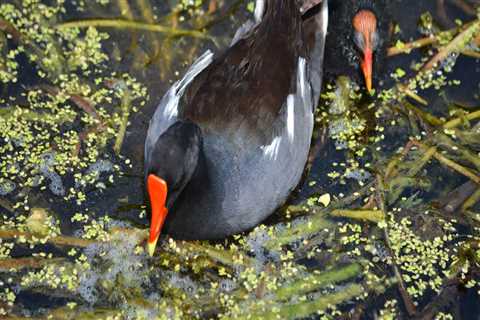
366 39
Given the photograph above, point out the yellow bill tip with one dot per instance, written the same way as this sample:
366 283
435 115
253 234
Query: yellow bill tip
151 247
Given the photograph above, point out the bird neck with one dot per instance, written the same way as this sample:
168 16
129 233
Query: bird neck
283 19
280 12
197 182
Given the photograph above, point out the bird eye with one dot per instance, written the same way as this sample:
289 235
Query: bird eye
359 40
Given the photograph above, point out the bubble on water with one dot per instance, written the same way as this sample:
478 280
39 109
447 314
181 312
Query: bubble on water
295 245
12 167
56 184
358 174
18 141
381 251
100 185
118 224
78 233
95 170
134 312
125 262
472 46
337 127
447 64
27 313
428 32
37 180
256 241
6 187
227 285
118 255
48 159
100 166
87 288
184 283
340 287
46 169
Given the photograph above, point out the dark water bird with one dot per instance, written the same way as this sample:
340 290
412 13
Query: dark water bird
229 142
357 39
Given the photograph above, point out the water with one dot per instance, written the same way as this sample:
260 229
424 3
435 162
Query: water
80 187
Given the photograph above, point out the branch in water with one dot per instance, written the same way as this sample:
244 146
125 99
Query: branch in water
136 25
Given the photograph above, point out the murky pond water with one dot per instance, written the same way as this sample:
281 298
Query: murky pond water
384 225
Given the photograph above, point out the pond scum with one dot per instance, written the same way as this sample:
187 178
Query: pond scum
380 249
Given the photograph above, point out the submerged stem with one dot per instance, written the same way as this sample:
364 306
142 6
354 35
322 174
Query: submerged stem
316 281
368 215
137 25
59 240
454 46
125 107
457 121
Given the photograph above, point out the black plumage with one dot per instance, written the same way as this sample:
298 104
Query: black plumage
260 70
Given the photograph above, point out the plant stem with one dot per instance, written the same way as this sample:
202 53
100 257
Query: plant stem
407 299
454 46
125 107
59 240
316 281
368 215
457 121
136 25
16 264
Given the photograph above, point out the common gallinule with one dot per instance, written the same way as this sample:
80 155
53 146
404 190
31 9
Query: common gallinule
357 39
229 141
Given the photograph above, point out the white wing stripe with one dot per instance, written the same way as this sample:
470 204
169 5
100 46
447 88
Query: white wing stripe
259 10
173 95
291 116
